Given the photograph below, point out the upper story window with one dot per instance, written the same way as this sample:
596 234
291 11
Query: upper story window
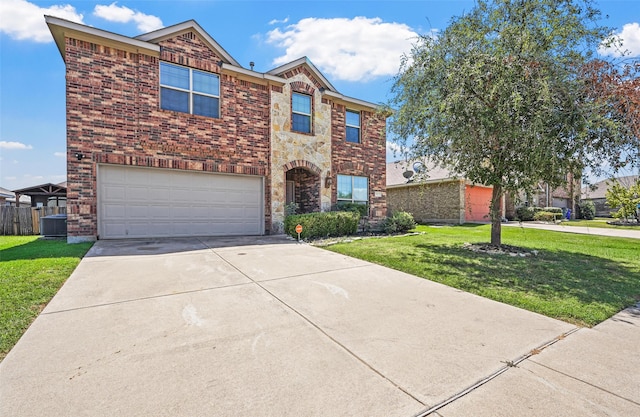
353 189
353 126
301 113
189 91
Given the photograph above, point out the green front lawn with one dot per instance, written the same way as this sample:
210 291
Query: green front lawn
599 222
582 279
32 270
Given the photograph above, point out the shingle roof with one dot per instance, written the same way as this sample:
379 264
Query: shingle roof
433 172
599 189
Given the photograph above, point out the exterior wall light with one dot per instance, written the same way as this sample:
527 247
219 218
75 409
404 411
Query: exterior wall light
328 182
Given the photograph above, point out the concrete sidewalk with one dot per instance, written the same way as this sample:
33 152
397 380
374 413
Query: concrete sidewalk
599 231
268 327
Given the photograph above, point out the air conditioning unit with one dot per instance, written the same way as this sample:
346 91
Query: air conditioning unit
54 225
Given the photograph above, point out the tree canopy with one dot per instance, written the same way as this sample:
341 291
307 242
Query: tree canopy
500 96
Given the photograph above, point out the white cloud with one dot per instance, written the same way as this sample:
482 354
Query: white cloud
22 20
14 145
123 14
276 21
60 154
357 49
630 38
394 151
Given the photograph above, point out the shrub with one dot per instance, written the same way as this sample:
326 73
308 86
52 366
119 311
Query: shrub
335 223
525 214
547 216
556 210
399 222
291 209
587 209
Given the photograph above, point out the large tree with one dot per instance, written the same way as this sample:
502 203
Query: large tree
498 96
614 85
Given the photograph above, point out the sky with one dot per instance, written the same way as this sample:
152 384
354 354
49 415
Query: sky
357 45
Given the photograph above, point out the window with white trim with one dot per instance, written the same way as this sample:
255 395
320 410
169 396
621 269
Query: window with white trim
353 189
353 126
301 113
189 91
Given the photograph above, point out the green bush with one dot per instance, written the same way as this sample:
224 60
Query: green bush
587 209
556 210
525 214
335 223
399 222
547 216
291 209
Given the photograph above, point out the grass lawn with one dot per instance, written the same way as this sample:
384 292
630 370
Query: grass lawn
582 279
600 222
32 270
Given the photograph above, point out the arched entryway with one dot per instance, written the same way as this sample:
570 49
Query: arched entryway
303 184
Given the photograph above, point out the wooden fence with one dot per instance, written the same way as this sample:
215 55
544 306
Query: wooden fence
25 220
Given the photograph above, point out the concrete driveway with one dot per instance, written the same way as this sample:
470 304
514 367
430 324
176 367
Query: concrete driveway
259 326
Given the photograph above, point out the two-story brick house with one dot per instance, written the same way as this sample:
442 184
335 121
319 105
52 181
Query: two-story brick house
168 135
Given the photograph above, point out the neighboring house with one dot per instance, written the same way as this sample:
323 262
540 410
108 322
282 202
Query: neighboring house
598 191
44 195
168 135
8 198
436 195
4 195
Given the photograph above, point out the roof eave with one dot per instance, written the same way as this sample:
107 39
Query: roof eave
253 74
60 27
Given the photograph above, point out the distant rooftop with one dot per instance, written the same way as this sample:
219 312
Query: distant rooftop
432 173
599 189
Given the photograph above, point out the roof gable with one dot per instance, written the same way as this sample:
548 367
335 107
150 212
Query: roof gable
300 65
189 26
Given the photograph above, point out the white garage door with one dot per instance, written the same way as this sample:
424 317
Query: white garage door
138 202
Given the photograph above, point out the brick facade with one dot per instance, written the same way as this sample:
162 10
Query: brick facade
440 202
114 117
367 158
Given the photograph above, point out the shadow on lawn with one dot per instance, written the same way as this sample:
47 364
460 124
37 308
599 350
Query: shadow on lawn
589 279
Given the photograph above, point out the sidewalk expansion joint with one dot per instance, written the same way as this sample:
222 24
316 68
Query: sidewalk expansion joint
151 297
587 383
508 364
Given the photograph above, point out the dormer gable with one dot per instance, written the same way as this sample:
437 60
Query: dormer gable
189 28
304 66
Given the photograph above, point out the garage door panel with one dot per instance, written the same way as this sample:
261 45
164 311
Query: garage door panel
146 202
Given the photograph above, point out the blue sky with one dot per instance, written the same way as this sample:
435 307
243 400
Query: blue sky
356 44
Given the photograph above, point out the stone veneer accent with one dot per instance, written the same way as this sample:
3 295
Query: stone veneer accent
311 151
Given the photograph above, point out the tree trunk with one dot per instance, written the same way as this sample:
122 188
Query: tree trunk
496 215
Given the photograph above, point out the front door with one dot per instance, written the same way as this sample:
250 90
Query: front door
291 192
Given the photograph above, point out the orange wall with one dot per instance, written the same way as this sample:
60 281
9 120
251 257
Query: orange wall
476 203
